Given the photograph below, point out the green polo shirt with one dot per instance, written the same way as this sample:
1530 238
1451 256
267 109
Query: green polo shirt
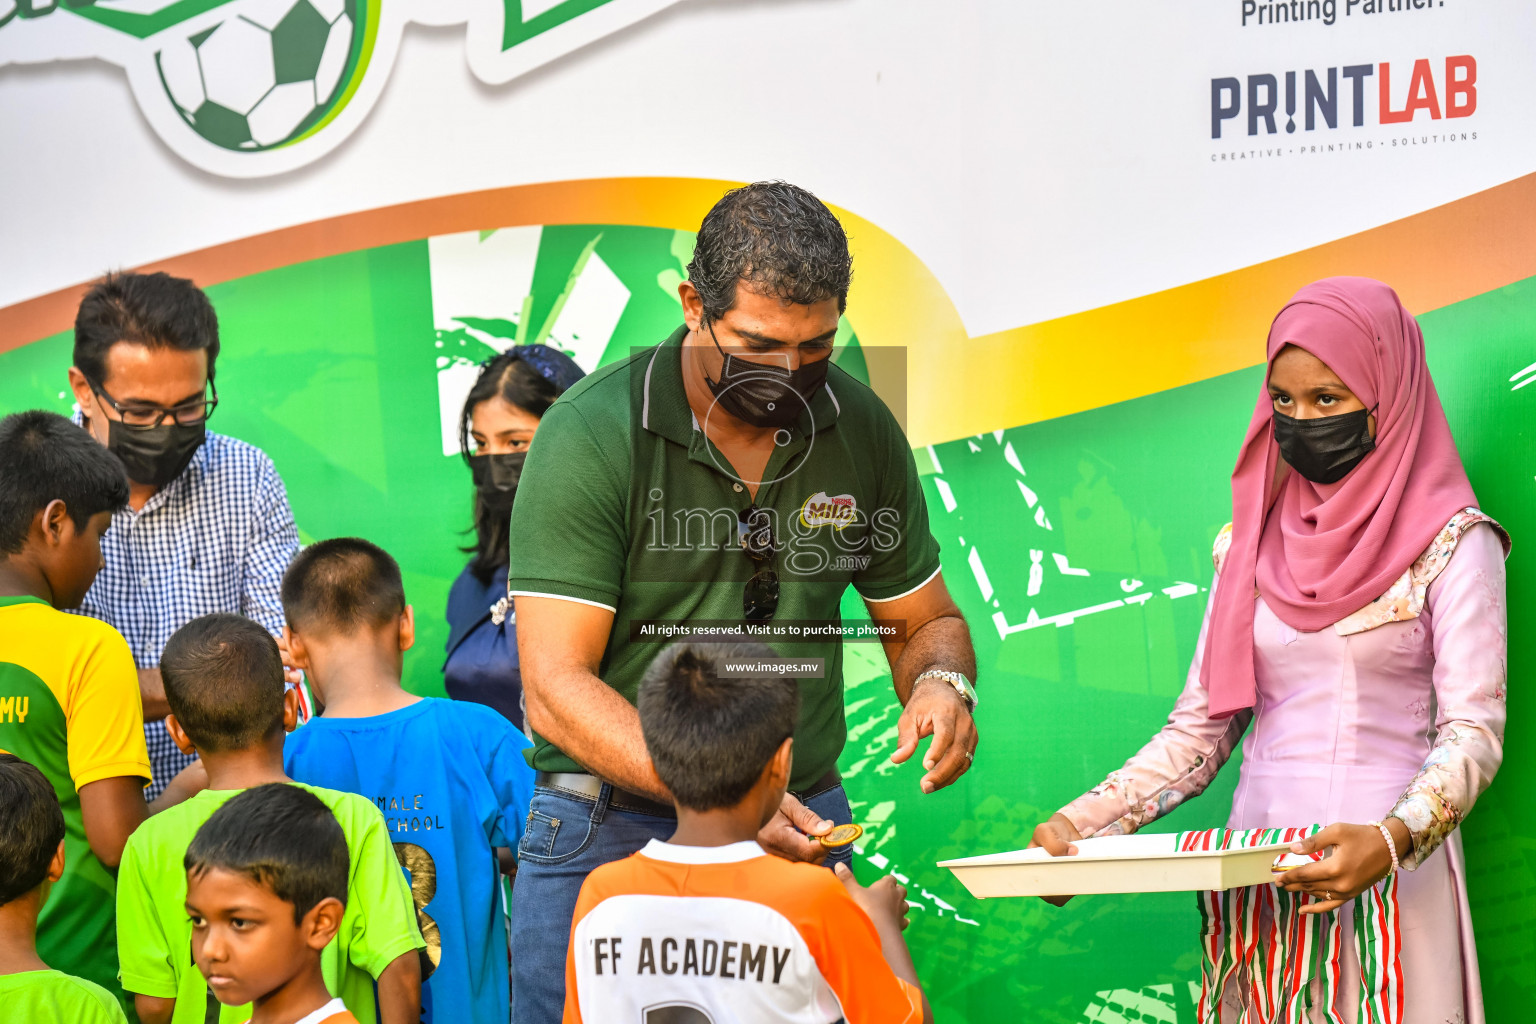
625 504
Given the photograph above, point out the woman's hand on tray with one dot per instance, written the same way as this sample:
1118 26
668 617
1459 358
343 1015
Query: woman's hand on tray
1058 837
1360 859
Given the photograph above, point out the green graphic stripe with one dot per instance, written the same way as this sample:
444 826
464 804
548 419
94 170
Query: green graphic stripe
515 30
570 286
142 26
368 18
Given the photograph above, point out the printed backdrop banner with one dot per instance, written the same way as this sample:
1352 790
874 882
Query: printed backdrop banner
1072 221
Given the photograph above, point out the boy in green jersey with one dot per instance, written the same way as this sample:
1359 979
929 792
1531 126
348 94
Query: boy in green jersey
266 892
31 860
224 682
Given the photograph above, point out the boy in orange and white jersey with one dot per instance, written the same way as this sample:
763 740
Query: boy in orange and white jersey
707 928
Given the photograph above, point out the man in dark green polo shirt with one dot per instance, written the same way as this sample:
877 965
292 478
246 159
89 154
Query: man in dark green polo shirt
730 478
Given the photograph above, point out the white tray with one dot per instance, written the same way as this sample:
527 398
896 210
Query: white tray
1137 863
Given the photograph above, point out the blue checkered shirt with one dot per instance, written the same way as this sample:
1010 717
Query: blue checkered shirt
218 538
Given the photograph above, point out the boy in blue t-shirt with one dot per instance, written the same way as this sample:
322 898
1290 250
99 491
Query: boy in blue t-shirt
449 777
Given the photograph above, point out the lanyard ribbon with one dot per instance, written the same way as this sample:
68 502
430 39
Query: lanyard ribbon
1258 938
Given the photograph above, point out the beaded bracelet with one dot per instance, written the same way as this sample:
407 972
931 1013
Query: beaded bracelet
1391 845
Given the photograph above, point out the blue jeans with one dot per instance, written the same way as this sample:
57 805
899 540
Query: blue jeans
565 839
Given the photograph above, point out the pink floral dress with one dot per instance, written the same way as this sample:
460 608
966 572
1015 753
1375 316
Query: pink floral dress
1396 710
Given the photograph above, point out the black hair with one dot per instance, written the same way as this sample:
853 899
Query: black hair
777 239
157 310
44 457
31 827
223 679
710 737
529 377
279 836
342 584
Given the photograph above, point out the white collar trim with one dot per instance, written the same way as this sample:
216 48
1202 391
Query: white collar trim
330 1009
733 853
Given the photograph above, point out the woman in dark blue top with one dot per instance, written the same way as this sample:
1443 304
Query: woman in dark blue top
500 417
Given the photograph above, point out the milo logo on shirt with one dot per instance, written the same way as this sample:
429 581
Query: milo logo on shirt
837 511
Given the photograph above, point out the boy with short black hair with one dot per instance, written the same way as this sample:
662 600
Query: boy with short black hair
708 920
224 681
69 692
266 893
449 776
32 861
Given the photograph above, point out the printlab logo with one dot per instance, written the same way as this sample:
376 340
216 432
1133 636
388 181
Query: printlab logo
1352 95
248 88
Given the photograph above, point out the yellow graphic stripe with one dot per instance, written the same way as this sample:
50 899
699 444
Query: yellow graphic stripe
956 385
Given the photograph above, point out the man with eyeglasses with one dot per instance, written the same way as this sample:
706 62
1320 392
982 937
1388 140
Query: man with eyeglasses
730 478
208 527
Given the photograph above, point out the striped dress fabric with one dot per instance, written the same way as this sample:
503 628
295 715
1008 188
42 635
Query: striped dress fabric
1283 966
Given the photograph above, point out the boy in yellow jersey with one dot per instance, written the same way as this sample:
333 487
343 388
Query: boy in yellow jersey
69 693
707 926
31 861
224 682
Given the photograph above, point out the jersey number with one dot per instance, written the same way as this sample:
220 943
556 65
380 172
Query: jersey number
423 873
676 1013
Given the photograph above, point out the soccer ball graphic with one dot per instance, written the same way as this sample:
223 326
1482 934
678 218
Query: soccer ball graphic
263 74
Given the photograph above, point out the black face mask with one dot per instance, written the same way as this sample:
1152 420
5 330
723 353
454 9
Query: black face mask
496 477
764 395
1325 449
155 455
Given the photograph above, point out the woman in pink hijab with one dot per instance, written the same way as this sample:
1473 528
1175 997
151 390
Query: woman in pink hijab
1354 642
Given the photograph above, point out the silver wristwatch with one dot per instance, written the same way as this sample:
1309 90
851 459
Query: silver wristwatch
961 684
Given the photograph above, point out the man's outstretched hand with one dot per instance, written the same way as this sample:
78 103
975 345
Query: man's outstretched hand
936 709
791 832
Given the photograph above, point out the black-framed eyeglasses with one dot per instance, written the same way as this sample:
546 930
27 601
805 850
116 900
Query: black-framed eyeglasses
754 529
138 414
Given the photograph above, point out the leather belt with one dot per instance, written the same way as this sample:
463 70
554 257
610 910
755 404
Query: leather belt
589 787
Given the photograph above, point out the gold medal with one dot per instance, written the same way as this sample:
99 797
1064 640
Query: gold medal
842 835
1289 861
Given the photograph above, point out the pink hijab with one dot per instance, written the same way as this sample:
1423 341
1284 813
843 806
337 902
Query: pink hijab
1320 552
